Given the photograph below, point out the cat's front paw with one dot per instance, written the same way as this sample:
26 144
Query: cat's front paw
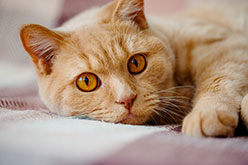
210 123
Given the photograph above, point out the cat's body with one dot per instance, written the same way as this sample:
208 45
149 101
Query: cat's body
198 57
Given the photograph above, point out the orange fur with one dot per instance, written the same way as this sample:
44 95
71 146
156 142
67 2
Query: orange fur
204 48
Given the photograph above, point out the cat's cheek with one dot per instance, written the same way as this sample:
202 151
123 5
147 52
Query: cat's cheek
159 72
49 95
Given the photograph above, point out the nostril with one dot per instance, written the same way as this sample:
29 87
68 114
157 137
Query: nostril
127 101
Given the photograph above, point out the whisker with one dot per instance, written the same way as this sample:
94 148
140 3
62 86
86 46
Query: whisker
175 100
179 109
162 116
166 91
170 104
167 113
172 112
154 120
179 97
150 99
183 86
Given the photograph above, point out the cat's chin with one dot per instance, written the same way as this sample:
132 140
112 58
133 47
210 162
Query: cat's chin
132 119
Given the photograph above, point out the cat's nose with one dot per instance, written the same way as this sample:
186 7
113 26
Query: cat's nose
127 101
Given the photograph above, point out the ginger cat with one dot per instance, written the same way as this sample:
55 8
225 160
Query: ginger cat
114 64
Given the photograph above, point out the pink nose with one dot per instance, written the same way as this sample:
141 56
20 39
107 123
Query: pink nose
127 101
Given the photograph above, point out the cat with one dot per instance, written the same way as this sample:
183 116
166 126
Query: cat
114 64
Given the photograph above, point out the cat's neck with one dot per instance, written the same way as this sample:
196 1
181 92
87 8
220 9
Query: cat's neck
180 45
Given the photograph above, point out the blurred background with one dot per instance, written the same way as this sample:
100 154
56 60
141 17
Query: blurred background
15 66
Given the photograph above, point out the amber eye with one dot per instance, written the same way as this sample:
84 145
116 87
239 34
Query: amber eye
137 64
87 82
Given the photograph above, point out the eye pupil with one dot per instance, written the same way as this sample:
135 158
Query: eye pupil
86 80
137 64
134 61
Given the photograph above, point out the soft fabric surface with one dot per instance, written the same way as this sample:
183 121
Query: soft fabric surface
33 137
30 134
168 147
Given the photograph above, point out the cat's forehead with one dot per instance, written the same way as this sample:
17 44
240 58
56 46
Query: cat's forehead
106 45
105 35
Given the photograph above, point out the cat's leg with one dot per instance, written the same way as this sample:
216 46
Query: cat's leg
220 73
220 88
244 110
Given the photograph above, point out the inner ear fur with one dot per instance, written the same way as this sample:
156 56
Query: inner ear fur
128 10
42 45
132 10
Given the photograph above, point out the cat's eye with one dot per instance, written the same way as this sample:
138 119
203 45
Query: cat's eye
87 82
137 64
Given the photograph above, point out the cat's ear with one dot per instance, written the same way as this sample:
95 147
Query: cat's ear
42 45
132 10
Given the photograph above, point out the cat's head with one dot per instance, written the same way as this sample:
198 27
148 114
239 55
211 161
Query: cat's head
111 68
